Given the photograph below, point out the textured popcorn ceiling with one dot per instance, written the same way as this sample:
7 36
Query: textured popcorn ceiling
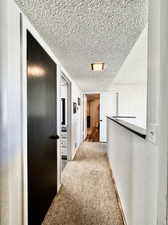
81 32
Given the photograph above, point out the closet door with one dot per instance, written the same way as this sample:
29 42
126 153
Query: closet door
42 138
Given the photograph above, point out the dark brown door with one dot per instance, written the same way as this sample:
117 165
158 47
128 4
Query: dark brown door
41 113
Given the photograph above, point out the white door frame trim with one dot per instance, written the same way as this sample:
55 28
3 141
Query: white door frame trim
26 25
69 114
85 110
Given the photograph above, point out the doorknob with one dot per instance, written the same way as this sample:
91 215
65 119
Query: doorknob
101 120
54 137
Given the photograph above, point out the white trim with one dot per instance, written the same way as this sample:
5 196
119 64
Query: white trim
27 26
84 118
69 114
75 151
24 125
92 93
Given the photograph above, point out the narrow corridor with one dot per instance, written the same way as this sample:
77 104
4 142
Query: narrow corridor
87 196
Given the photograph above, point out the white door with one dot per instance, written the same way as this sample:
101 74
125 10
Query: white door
107 108
84 117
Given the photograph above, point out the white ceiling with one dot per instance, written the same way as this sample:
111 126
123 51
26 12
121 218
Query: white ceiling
81 32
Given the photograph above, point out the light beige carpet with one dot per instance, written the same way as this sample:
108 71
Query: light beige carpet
87 196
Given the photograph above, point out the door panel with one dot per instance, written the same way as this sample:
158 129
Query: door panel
107 108
41 114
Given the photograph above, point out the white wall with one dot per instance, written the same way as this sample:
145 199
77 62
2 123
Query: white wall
64 91
10 115
107 108
84 116
133 102
131 82
140 167
133 162
162 21
76 120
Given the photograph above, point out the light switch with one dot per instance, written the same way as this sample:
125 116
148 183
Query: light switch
153 133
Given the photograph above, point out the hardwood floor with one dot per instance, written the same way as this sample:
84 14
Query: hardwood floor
93 135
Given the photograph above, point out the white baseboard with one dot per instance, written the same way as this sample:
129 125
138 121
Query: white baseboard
58 188
76 149
118 197
74 153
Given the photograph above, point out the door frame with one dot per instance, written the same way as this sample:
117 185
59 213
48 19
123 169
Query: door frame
84 117
24 26
84 109
69 114
115 91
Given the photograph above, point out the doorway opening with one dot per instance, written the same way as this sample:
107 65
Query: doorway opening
65 138
93 117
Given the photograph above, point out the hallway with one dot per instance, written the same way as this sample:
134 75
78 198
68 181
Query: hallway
87 196
116 49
